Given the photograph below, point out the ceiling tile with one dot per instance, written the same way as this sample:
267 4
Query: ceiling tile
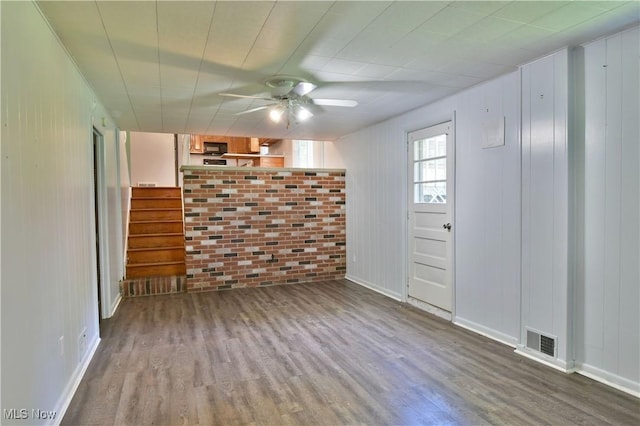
406 16
524 37
133 30
625 15
610 4
371 38
480 7
567 16
528 11
487 29
183 30
397 56
375 71
450 21
341 66
313 62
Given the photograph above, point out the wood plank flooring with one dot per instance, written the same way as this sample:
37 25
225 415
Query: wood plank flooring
328 353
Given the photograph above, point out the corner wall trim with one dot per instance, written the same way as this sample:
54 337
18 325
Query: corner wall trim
374 287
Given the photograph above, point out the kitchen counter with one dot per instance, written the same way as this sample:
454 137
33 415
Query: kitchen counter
249 156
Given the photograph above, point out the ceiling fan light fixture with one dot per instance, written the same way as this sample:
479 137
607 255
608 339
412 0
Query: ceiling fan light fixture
303 114
275 114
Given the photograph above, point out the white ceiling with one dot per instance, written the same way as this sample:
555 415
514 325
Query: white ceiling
159 66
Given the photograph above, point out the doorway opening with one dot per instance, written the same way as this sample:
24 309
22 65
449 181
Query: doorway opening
97 143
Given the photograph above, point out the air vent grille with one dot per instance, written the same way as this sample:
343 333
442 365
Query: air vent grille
541 343
547 345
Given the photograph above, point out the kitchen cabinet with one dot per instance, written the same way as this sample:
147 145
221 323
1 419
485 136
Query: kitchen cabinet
238 145
235 144
256 160
253 145
242 145
271 161
196 144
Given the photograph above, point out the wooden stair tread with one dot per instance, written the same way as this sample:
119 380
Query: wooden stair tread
156 221
169 262
157 248
156 198
151 209
171 234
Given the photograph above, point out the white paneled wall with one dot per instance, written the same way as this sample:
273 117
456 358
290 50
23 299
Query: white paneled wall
375 161
607 287
49 286
153 159
487 218
546 256
488 211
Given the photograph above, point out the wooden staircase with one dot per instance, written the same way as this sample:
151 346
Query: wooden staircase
156 244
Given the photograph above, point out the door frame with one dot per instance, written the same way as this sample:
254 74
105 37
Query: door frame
452 249
101 224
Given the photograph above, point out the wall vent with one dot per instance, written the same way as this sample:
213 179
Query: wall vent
541 343
147 184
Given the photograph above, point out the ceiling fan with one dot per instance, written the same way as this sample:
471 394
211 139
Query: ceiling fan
289 99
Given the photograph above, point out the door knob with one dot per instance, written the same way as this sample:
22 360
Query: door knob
447 226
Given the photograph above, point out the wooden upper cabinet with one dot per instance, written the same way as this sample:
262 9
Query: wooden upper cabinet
196 144
215 138
253 145
235 144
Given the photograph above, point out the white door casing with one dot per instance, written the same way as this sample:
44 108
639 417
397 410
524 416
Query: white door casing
430 212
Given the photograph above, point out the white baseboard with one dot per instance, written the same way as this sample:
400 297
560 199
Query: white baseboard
556 364
72 385
505 339
374 287
609 379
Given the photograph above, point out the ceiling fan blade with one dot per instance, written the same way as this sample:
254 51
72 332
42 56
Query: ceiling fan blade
303 88
260 108
335 102
233 95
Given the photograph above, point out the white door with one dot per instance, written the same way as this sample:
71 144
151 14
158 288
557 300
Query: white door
431 172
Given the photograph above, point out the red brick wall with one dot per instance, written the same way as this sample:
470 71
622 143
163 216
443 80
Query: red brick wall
252 227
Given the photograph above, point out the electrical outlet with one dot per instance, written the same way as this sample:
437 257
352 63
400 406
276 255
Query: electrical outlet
61 346
354 258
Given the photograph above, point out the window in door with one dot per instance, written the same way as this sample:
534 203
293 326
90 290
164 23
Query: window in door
430 170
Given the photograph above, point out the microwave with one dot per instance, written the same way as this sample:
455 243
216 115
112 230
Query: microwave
215 148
